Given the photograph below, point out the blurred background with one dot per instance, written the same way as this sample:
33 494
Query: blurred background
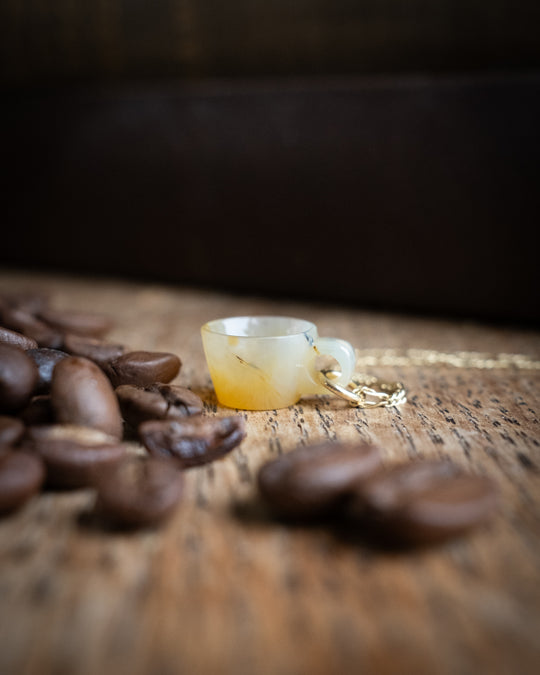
372 152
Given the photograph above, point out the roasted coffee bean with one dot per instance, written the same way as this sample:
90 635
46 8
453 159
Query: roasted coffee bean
388 490
98 351
11 431
18 378
45 360
38 411
139 491
139 404
26 323
74 455
81 394
143 368
181 401
156 402
21 477
80 323
423 502
446 510
194 440
11 337
79 435
313 479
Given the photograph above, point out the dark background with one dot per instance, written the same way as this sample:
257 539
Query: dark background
377 153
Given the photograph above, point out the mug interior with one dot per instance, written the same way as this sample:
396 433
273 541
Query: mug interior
259 326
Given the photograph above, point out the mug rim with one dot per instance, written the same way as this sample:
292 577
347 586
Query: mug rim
211 326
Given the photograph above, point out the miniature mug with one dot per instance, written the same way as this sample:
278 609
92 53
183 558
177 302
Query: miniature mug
268 362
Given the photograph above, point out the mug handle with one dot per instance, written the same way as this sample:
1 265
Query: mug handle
343 352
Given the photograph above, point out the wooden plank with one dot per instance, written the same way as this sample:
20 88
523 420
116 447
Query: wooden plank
225 588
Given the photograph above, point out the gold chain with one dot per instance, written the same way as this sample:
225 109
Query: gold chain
366 391
369 358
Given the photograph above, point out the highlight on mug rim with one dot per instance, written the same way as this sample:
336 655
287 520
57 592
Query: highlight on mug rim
259 327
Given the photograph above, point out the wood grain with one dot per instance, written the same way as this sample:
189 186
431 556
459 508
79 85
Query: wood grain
223 588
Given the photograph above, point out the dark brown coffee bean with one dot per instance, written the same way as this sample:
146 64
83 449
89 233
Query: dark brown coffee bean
138 404
143 368
313 479
82 395
388 490
156 402
181 401
79 435
26 323
11 337
21 477
139 491
18 378
74 456
11 431
446 510
194 440
98 351
38 411
423 502
45 360
80 323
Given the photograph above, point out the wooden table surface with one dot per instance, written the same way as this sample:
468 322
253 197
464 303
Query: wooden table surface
224 588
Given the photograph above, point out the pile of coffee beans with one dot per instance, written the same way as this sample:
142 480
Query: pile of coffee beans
415 503
69 400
